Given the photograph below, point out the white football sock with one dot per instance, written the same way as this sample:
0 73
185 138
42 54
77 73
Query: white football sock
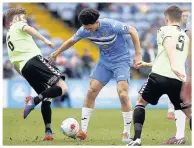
127 118
86 113
170 107
180 119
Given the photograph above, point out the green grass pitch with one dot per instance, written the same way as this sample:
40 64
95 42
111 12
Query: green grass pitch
105 127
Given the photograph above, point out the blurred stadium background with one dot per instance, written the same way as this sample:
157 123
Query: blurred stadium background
58 22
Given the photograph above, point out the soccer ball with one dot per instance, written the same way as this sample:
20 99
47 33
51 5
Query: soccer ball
70 127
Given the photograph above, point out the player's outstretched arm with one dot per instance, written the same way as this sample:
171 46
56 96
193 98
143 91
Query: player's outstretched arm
135 38
33 32
168 45
67 44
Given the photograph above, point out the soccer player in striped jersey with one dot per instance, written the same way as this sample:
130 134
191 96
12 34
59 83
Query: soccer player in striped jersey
115 61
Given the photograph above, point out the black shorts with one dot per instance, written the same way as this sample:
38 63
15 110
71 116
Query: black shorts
158 85
40 74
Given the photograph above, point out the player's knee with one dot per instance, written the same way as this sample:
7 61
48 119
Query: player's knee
123 94
92 91
63 86
141 101
64 89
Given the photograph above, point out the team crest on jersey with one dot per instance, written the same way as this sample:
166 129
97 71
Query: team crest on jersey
124 27
105 34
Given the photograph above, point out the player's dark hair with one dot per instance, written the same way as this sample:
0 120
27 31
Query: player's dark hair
88 16
174 12
14 11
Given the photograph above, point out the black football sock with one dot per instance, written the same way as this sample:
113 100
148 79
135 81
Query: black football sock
138 119
46 114
51 92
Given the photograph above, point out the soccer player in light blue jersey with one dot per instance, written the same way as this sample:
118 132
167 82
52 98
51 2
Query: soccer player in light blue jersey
114 62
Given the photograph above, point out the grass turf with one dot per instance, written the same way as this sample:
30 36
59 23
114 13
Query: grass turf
105 127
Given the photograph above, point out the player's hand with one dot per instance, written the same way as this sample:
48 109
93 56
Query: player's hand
137 58
49 43
180 75
139 65
52 58
186 93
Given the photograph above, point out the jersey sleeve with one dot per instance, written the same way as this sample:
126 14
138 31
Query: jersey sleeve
164 32
189 23
119 27
21 25
79 34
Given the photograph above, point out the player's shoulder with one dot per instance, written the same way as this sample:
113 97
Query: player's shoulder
165 28
169 30
18 25
81 31
106 21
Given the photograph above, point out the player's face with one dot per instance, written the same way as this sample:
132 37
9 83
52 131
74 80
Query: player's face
92 27
184 17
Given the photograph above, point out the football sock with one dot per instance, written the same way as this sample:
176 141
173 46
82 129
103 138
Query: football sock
180 120
127 118
86 114
51 92
138 119
46 113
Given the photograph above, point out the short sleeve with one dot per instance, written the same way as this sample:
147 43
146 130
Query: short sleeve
79 34
119 27
21 25
189 23
164 33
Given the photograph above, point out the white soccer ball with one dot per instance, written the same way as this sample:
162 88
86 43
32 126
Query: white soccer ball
70 127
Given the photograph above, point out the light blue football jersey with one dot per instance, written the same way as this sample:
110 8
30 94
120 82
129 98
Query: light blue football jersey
110 40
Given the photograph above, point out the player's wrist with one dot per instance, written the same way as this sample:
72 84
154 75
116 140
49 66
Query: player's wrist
138 53
145 64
